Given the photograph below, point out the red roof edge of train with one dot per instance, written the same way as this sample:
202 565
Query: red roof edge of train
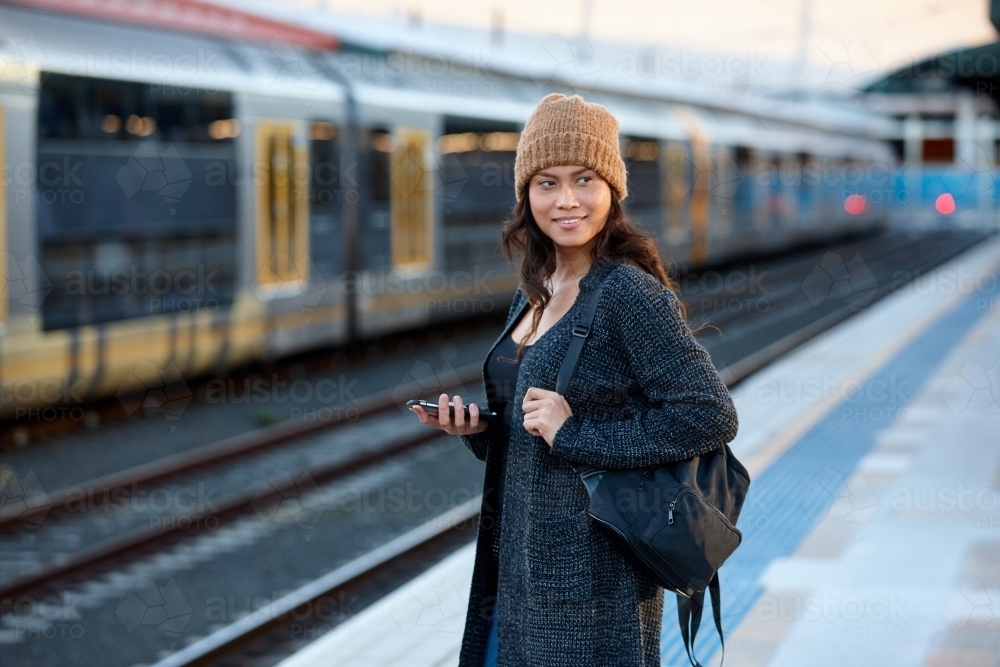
188 16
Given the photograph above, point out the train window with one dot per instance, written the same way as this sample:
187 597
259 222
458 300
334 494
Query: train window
898 149
743 190
766 183
136 190
3 227
644 203
282 206
476 188
329 185
77 107
375 234
410 202
380 143
677 170
939 150
722 193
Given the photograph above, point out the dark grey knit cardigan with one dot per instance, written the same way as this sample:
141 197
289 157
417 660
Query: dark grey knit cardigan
644 393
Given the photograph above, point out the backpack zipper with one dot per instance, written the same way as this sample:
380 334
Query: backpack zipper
722 516
673 503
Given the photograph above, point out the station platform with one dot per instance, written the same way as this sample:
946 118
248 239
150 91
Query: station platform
872 528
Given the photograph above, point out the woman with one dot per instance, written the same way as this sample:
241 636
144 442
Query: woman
548 587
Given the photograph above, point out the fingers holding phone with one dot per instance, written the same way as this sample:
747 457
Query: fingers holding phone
454 419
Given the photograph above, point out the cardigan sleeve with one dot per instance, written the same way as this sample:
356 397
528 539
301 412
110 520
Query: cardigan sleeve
689 410
479 443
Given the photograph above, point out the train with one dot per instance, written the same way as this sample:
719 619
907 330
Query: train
177 202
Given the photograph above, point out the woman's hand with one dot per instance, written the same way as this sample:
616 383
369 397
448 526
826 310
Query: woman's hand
443 420
544 412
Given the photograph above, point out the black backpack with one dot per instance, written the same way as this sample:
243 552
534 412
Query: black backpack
676 522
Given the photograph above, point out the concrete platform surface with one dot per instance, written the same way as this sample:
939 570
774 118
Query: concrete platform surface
872 530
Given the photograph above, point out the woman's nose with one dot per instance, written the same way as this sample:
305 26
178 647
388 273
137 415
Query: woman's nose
567 198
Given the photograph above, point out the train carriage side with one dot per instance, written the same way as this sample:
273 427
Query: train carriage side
729 187
277 220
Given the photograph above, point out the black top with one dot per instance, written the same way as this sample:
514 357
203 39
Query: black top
501 381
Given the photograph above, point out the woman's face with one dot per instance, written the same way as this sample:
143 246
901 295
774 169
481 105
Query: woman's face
569 203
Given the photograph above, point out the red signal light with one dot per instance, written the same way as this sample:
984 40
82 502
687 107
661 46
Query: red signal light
855 204
945 204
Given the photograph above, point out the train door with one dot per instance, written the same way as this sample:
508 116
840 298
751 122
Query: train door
329 186
410 201
765 170
743 193
476 191
282 218
645 182
790 177
701 184
675 192
4 295
723 191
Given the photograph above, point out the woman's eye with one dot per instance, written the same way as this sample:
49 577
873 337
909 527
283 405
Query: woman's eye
584 179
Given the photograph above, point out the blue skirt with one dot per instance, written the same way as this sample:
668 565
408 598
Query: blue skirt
491 642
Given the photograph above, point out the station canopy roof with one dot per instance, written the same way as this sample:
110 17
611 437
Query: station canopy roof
976 69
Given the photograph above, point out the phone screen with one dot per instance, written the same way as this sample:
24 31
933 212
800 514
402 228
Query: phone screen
432 408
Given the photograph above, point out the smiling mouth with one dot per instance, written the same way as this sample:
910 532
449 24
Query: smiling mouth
568 222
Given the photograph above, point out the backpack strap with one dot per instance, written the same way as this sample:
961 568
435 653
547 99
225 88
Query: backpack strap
580 332
689 612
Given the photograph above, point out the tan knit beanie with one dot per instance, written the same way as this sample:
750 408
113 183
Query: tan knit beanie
566 130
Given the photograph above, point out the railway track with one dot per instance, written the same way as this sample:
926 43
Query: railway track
225 460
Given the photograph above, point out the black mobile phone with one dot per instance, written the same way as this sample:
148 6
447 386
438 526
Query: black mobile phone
432 408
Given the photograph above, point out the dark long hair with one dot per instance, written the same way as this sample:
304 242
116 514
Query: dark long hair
619 238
